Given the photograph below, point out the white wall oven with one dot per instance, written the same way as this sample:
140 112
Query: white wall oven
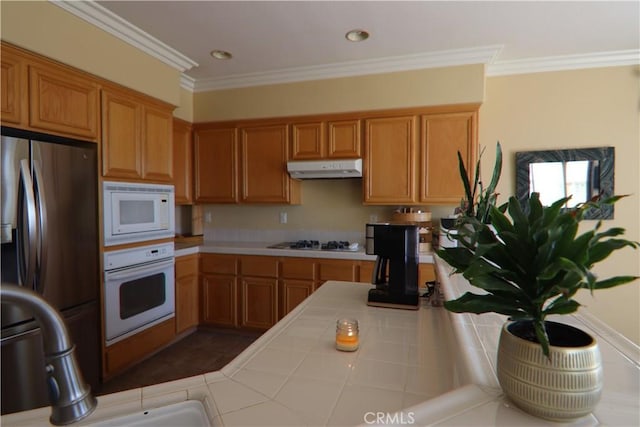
136 212
139 289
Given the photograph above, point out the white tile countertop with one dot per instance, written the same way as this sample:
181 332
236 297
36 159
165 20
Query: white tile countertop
261 248
424 367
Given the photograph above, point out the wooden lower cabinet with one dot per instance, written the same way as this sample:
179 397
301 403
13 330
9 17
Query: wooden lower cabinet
130 351
337 269
187 293
219 300
254 292
258 302
365 273
297 282
292 293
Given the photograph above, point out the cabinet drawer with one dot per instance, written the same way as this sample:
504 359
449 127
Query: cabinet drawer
218 264
297 268
337 270
186 266
259 266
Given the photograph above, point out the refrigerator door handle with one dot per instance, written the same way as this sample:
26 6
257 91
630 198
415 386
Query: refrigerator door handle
43 242
26 267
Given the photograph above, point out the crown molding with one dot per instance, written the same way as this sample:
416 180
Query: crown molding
106 20
566 62
447 58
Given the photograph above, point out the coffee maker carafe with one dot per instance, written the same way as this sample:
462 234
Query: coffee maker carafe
395 274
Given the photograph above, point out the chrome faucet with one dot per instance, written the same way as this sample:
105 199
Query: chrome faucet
71 398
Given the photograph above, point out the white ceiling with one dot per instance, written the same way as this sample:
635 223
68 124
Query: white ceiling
274 41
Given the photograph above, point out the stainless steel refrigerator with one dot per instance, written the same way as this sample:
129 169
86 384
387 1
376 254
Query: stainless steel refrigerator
49 244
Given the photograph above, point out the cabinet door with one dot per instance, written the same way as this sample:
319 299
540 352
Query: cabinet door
63 102
187 303
216 166
307 141
390 153
258 302
293 292
157 154
121 136
442 136
264 154
13 89
182 162
344 139
187 294
219 300
365 273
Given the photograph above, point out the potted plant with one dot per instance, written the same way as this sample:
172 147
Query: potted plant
479 199
530 264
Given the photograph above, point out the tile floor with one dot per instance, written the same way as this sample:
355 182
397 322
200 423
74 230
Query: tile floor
203 351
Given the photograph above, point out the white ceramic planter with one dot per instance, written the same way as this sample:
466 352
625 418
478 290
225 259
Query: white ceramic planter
564 387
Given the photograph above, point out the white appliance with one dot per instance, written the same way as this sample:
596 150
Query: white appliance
312 169
135 212
138 289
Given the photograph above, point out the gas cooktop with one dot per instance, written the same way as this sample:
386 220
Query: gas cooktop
315 245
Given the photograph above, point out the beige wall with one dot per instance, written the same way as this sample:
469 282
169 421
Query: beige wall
44 28
185 109
574 109
436 86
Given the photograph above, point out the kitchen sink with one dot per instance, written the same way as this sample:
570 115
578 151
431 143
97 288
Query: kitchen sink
184 414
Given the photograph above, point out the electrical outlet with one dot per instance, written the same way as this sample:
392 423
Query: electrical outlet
283 217
373 218
207 217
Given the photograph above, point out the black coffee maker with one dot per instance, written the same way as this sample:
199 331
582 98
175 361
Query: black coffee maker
396 270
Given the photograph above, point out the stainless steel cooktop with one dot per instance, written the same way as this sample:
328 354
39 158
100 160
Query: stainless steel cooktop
315 245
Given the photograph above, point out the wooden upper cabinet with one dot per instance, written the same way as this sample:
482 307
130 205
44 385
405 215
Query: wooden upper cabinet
307 141
344 139
13 89
390 156
121 136
63 102
216 165
136 137
441 137
157 136
264 151
183 162
320 140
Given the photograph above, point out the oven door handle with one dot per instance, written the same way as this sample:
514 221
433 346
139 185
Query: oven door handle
135 271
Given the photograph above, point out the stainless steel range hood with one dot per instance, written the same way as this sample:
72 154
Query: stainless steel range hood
314 169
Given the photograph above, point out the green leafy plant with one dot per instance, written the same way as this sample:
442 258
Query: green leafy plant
532 264
478 200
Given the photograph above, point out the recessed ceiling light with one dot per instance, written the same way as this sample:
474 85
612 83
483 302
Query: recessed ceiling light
221 54
357 35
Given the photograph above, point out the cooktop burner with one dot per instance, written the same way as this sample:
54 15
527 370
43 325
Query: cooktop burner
332 245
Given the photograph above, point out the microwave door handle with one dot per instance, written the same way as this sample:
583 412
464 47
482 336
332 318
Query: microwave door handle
26 261
133 271
41 253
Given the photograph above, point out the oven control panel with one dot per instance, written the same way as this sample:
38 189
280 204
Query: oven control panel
139 255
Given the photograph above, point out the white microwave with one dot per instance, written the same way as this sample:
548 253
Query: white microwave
135 212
